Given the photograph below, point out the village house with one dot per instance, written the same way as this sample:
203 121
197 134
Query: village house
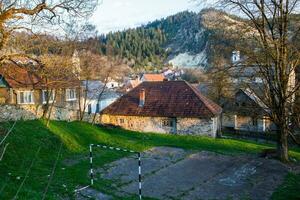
94 88
132 83
165 107
246 112
27 91
112 84
173 74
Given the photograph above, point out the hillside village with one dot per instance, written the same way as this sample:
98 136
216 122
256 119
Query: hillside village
191 106
24 94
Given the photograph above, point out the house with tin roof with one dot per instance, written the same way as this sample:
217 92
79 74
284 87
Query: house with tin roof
164 107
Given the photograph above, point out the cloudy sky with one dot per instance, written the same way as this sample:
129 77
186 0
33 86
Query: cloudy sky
114 15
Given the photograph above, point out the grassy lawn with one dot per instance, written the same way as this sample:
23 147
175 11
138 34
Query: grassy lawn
73 165
289 189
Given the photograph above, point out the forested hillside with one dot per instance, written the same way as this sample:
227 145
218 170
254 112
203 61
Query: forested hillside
154 43
186 39
140 46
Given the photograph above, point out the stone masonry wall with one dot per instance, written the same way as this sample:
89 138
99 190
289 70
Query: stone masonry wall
184 126
31 112
196 126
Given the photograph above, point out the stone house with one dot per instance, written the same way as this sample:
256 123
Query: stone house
165 107
246 112
25 90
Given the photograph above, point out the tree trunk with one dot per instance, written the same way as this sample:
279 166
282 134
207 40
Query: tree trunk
282 144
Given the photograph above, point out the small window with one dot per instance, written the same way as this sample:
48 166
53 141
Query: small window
25 97
121 121
89 109
97 108
48 95
70 94
167 122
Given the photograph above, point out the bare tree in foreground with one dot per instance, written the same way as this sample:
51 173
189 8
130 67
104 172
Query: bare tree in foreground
21 15
56 73
270 36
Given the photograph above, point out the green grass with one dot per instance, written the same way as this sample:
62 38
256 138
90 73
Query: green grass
73 165
289 189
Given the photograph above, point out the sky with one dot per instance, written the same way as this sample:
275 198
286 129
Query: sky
113 15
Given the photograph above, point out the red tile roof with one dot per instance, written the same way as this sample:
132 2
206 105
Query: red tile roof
153 77
18 77
165 99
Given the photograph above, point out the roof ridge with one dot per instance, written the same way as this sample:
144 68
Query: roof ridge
204 99
252 95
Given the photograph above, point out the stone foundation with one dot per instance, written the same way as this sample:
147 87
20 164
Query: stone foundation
31 112
184 126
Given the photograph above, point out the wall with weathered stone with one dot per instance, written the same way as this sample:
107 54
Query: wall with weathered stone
31 112
196 126
185 126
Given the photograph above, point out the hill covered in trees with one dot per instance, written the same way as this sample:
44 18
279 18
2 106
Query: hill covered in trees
140 46
184 40
159 41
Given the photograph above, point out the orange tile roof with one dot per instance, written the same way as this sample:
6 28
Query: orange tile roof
153 77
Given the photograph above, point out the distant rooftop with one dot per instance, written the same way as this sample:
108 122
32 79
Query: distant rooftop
153 77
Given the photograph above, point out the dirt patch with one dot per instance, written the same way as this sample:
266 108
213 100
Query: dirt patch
171 173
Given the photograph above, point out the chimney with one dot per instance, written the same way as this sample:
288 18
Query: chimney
142 98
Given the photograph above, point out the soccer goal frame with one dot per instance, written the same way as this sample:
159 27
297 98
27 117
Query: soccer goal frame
116 149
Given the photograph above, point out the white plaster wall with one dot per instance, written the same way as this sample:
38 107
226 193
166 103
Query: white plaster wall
103 104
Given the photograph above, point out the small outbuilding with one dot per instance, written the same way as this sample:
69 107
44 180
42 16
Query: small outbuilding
247 112
165 107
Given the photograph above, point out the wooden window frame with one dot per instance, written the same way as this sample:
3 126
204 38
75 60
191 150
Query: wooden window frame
68 94
25 97
51 100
